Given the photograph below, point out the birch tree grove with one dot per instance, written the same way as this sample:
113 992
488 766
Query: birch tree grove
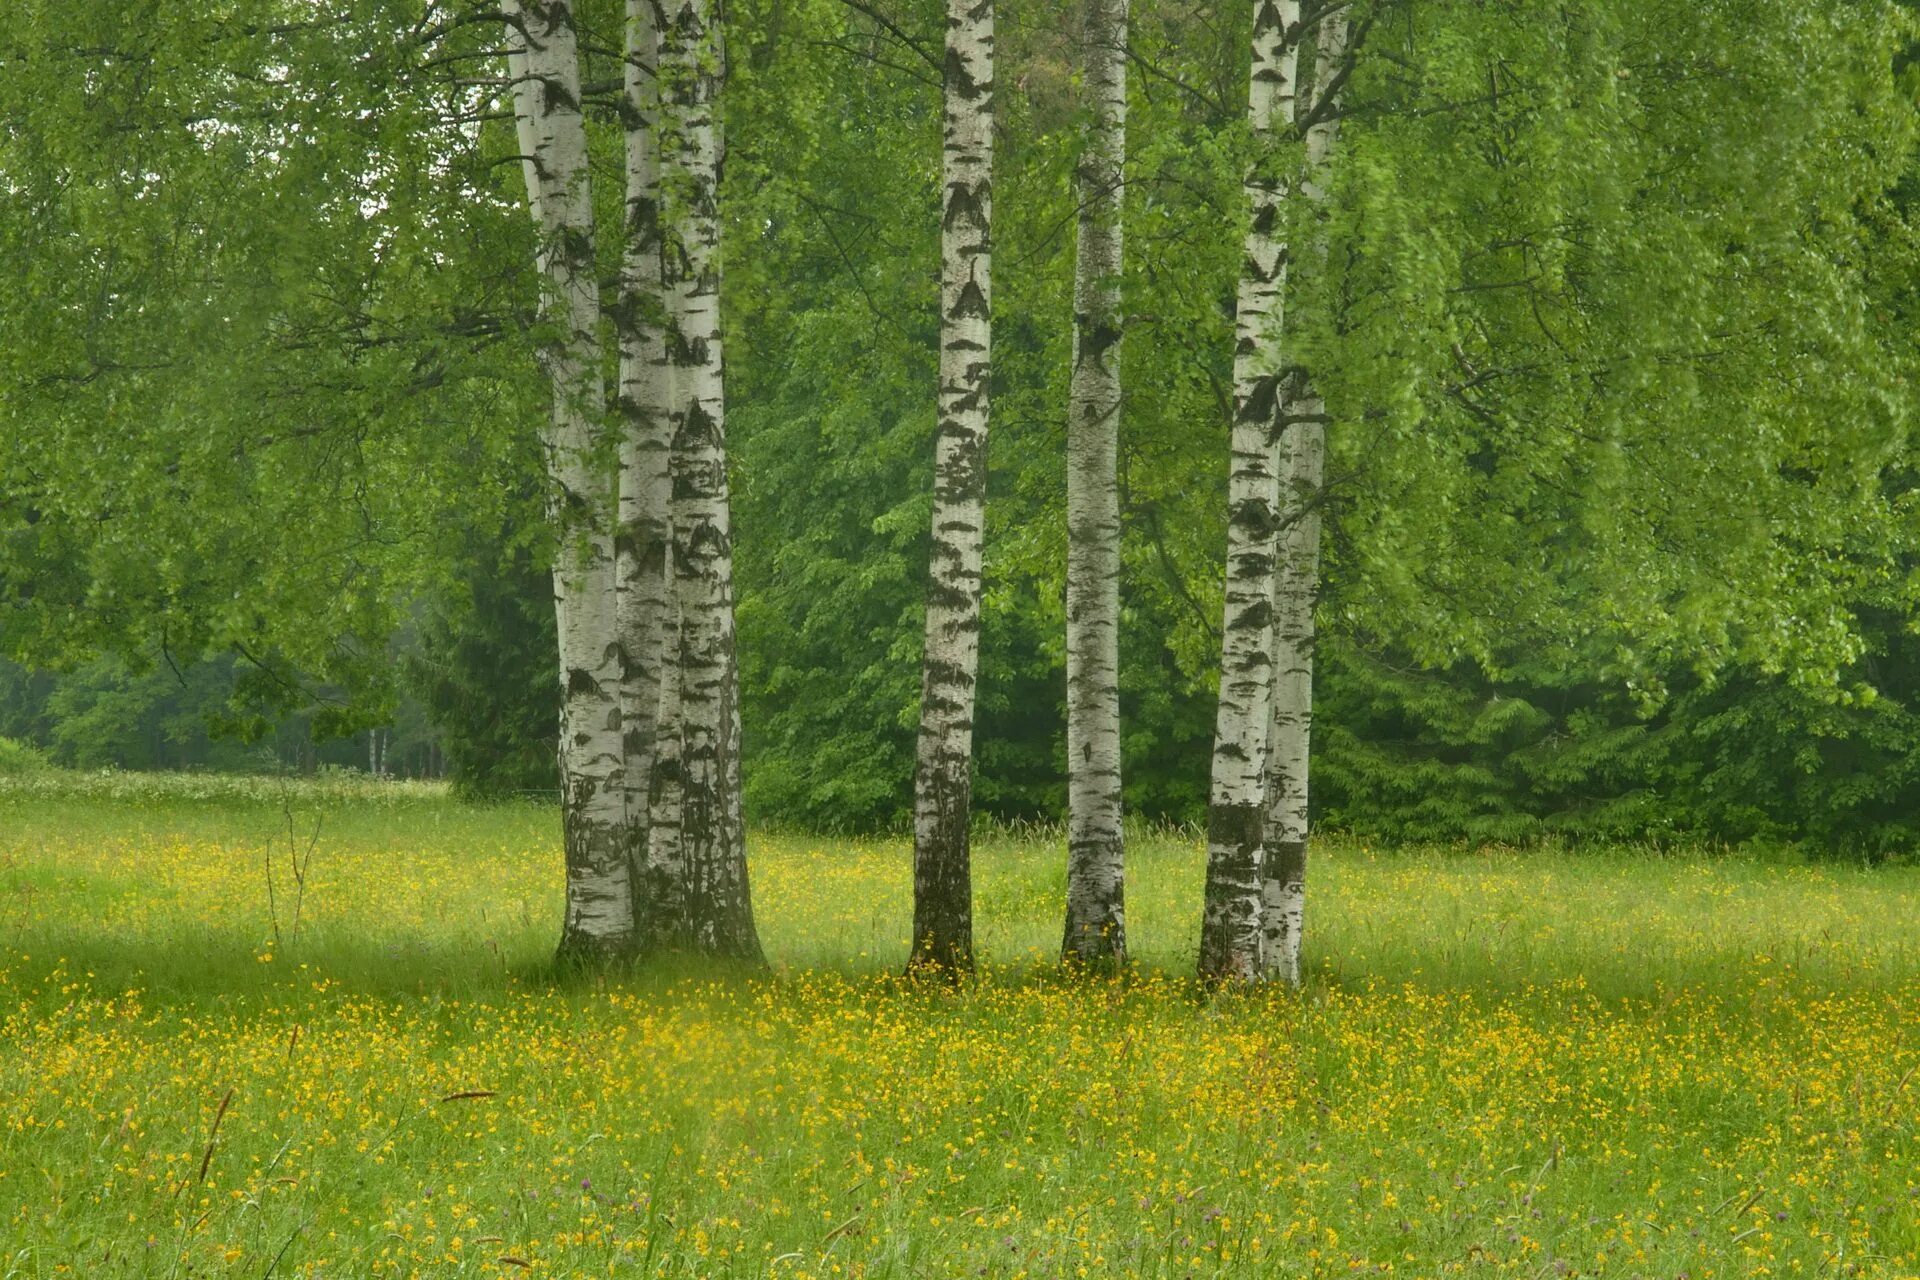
943 782
345 341
718 910
543 61
647 617
1296 579
1096 879
1230 921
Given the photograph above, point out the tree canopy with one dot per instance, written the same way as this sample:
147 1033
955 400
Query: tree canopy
1614 334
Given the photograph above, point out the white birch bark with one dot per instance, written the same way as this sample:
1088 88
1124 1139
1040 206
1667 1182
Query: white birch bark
1230 923
647 618
544 66
718 910
1096 867
1295 593
943 782
665 883
1296 588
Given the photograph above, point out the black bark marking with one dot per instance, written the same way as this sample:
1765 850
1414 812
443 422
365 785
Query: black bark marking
970 305
1096 339
1234 833
960 82
967 205
1262 402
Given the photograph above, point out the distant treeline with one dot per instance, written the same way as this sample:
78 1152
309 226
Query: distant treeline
109 714
1556 747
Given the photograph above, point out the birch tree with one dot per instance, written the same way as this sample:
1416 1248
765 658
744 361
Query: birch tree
543 62
1096 883
1230 924
716 910
1296 579
647 617
943 781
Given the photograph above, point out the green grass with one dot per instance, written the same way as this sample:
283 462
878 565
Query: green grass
1506 1063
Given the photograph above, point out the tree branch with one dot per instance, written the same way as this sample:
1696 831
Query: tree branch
893 29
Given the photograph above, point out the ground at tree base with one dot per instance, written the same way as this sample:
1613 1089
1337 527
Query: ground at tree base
1613 1064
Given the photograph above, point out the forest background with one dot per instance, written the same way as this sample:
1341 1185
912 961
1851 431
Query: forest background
325 543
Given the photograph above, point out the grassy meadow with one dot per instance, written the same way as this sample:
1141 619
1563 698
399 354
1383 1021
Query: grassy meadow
1615 1064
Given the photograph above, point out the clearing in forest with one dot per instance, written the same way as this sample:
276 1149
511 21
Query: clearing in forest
1531 1064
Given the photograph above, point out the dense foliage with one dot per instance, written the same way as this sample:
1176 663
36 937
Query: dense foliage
486 673
114 714
1616 335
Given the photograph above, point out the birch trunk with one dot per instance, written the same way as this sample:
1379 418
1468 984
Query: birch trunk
943 781
1230 923
544 66
1296 590
665 884
718 909
1096 929
1295 593
647 617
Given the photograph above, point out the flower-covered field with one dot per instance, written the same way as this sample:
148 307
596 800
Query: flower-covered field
1534 1065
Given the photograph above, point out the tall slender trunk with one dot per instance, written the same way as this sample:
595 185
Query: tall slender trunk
1230 924
642 547
1295 593
943 775
718 908
1096 930
1296 586
544 63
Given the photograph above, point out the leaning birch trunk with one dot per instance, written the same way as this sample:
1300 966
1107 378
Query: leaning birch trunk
1230 923
641 548
943 775
1296 587
544 64
1096 930
718 909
